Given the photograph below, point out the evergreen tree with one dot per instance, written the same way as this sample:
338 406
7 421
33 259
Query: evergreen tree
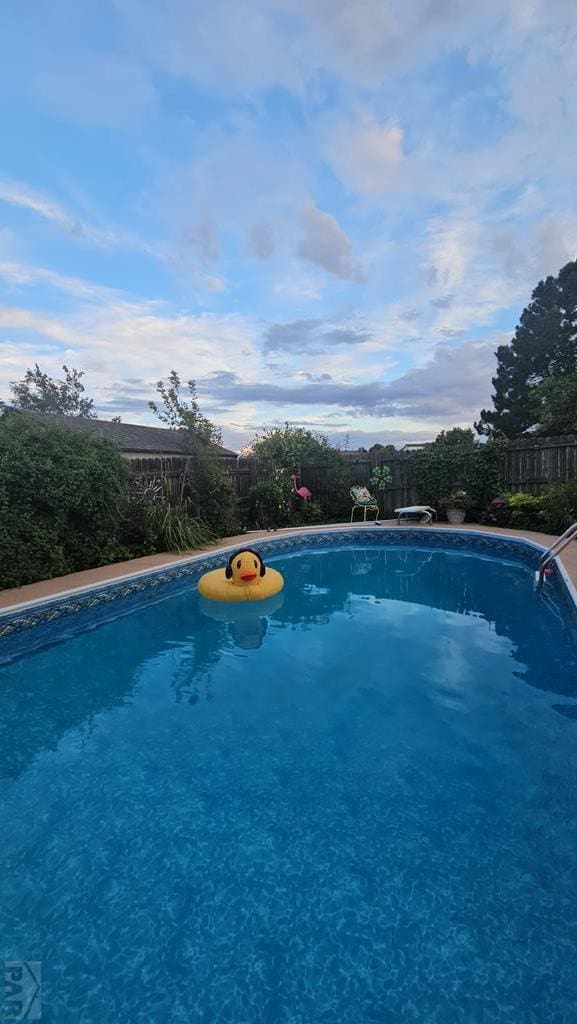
456 437
544 346
558 411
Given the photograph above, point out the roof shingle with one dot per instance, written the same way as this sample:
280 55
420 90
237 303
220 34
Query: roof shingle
128 437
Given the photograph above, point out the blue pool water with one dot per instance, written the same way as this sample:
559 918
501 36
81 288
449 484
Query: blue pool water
359 808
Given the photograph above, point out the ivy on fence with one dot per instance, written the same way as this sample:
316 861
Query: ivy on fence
438 471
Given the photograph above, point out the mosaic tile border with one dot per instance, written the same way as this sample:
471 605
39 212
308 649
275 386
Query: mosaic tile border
493 546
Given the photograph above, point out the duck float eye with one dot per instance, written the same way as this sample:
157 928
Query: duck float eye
245 578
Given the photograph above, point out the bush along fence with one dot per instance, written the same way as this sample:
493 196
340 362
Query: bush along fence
529 465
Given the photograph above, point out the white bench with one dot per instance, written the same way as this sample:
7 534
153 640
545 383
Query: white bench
425 513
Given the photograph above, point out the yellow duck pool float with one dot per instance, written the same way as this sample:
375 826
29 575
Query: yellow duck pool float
246 578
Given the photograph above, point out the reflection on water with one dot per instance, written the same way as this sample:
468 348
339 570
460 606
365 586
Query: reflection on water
354 805
247 620
64 687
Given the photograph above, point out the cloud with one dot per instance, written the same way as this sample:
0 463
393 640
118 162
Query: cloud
20 195
477 263
325 244
227 47
211 283
241 50
18 275
95 89
365 153
241 187
114 340
316 378
262 241
450 388
453 245
311 336
204 238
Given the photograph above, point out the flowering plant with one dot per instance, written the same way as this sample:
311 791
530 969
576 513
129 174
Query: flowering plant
497 512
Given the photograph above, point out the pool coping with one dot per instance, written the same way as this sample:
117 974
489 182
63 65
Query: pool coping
540 542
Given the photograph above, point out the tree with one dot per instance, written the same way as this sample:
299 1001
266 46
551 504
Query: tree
208 492
181 413
382 449
544 346
457 437
288 447
38 392
558 405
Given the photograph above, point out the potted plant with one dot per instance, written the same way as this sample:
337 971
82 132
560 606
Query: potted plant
456 506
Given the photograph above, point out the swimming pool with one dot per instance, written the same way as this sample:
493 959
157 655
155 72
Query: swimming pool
357 808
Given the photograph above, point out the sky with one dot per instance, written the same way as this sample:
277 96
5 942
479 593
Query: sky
326 212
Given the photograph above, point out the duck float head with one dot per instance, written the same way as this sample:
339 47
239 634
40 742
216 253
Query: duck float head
245 578
245 568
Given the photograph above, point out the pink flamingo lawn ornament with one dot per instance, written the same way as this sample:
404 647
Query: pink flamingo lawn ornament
303 492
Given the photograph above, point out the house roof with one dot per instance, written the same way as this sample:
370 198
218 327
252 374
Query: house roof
129 437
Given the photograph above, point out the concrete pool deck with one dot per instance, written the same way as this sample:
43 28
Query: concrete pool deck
46 589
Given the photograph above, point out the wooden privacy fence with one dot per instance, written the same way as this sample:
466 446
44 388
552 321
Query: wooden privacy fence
173 470
530 465
318 477
534 463
400 491
168 471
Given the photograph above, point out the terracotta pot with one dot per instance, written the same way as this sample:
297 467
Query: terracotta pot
456 516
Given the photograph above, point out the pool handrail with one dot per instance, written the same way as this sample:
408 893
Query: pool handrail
556 548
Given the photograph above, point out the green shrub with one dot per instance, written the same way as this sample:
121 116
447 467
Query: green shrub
174 529
525 511
283 451
62 500
29 549
559 507
69 501
552 511
270 501
308 513
210 490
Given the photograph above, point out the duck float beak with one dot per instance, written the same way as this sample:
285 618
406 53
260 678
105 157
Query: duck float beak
248 576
